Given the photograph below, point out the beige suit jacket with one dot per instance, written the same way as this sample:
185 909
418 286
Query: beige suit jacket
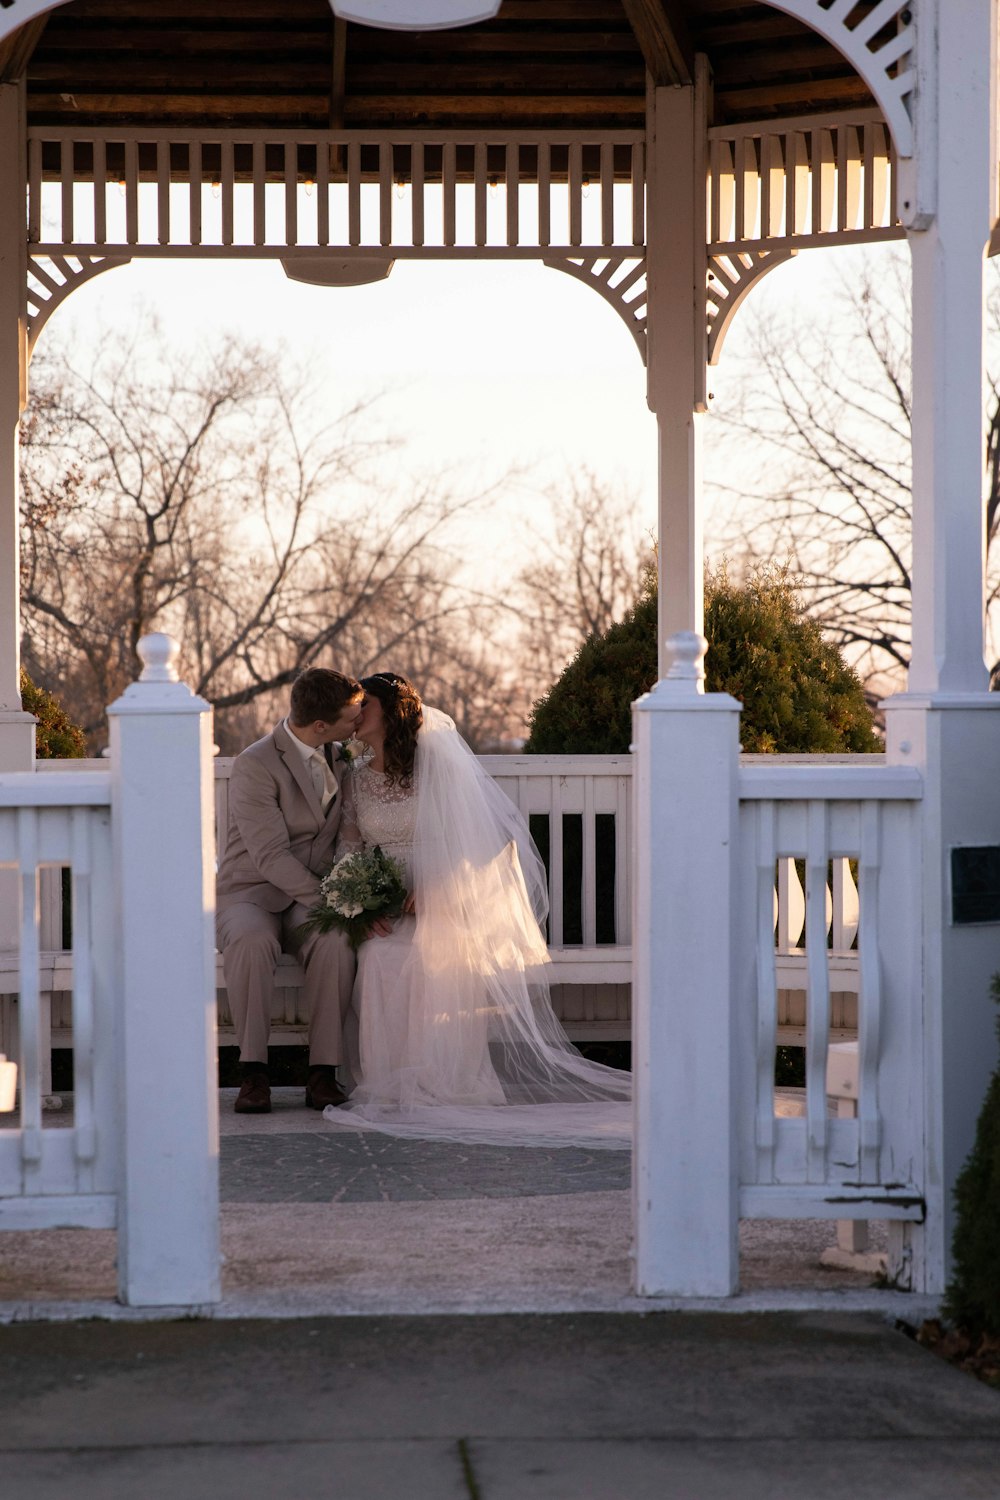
278 843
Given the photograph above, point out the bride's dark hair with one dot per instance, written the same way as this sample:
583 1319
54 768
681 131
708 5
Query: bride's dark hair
401 709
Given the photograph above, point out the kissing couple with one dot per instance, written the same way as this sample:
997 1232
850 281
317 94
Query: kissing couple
441 1027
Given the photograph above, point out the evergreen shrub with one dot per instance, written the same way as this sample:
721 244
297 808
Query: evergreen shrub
56 736
973 1297
798 693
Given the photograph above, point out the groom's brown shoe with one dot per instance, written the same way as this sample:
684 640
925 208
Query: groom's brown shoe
322 1089
254 1097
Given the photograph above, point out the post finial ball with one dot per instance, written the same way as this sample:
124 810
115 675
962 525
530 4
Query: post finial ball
158 652
686 653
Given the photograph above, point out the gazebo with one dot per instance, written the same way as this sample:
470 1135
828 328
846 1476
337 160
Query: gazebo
667 153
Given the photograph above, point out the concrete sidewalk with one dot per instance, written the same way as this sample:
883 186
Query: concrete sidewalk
586 1407
352 1355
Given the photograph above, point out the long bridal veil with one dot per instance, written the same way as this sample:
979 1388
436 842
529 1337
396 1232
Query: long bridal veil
486 1060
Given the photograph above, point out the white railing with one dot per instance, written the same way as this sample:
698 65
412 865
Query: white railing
580 812
413 193
827 178
801 182
141 1153
63 821
828 819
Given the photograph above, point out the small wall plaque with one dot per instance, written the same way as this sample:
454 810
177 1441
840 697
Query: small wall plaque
975 884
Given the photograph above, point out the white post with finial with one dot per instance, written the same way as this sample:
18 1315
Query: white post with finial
164 852
686 811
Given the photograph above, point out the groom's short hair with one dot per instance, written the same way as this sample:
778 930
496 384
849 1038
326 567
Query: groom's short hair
319 693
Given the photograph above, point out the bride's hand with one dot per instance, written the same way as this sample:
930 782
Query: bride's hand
381 927
409 906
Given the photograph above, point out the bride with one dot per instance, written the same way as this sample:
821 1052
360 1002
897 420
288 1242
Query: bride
452 1033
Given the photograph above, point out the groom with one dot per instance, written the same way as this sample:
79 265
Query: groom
284 813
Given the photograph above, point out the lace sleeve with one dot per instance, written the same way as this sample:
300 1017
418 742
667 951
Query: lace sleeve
348 834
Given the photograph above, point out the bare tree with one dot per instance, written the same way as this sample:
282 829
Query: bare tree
821 428
204 496
586 572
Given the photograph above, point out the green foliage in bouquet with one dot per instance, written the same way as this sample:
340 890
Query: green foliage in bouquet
973 1297
798 693
56 736
361 887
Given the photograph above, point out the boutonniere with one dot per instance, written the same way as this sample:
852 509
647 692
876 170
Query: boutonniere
354 752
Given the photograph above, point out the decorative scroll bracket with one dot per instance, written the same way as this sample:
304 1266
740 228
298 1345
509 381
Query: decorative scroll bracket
731 279
620 280
51 278
880 45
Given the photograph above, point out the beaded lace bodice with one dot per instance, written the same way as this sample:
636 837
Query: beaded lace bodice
385 813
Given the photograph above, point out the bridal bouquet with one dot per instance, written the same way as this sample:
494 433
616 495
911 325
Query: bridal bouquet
361 887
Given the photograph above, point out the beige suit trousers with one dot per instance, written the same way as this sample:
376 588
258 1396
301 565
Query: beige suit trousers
251 940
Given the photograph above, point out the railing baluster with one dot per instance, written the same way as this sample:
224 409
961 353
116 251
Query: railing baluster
132 191
227 177
448 174
556 893
385 187
638 194
29 999
163 192
607 194
291 164
480 180
100 191
588 895
34 190
195 190
354 193
848 177
767 993
743 145
544 194
845 906
870 996
575 193
512 175
322 194
66 183
623 894
417 189
818 994
85 1134
259 174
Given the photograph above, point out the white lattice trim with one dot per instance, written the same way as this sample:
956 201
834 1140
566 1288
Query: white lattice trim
51 278
731 279
877 46
621 281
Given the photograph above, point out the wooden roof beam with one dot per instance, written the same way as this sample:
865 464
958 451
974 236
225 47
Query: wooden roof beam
661 30
16 49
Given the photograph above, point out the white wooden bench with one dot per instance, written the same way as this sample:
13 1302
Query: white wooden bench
591 980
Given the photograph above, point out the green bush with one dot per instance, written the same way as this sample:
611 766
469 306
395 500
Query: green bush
973 1297
56 736
798 693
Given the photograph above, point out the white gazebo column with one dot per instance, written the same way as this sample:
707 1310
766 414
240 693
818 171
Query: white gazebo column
17 729
686 806
676 352
947 722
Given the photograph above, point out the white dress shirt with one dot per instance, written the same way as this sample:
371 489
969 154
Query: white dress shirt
322 775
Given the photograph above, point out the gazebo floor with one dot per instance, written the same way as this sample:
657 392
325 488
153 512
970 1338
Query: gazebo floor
316 1221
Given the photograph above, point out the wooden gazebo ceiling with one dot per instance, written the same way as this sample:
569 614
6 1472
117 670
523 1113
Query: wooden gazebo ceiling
285 64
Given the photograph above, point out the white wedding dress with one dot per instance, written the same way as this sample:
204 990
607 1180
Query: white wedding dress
452 1033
